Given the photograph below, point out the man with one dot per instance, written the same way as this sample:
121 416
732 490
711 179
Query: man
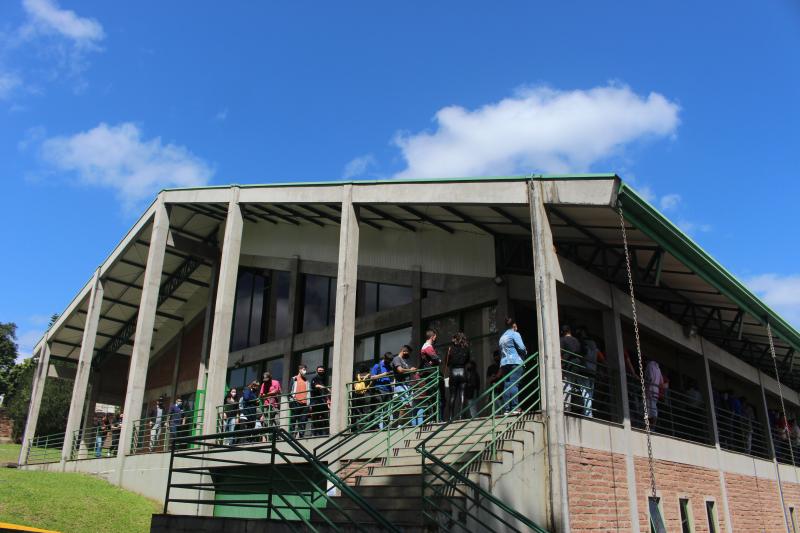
382 375
570 366
429 358
156 422
176 419
402 371
298 403
494 375
320 402
513 350
360 398
591 356
655 386
249 412
116 430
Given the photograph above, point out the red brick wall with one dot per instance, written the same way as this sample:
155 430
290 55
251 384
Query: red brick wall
755 503
5 426
159 373
598 491
191 346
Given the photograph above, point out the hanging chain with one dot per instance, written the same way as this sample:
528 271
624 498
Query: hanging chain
780 389
638 353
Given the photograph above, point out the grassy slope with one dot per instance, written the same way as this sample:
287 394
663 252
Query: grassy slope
9 453
71 502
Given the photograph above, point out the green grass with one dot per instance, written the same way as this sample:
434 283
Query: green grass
9 453
71 502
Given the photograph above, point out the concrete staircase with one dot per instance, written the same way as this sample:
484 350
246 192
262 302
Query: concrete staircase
393 485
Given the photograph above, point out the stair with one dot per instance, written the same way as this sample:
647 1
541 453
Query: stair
393 485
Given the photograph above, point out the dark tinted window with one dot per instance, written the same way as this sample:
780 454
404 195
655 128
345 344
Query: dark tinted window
282 282
319 301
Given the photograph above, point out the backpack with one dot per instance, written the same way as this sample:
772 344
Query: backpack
360 386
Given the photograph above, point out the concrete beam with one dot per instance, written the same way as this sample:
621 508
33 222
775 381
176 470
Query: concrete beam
37 390
84 368
143 337
344 324
223 312
545 267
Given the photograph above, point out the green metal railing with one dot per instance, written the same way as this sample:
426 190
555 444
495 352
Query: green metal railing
589 388
156 434
93 443
398 416
277 480
45 449
242 423
452 501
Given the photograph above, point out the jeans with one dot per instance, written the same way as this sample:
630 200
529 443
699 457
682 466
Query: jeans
229 426
98 445
473 407
583 386
457 385
298 417
155 436
512 374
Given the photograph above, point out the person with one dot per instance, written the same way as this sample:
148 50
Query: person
382 375
513 350
494 375
320 403
298 403
654 388
749 418
176 419
402 371
360 399
100 430
458 355
230 414
268 393
156 423
472 386
249 408
571 367
429 358
591 357
116 429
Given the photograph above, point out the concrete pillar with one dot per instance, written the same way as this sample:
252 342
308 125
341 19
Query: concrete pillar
616 352
772 452
344 324
545 265
202 371
84 368
223 313
143 337
37 390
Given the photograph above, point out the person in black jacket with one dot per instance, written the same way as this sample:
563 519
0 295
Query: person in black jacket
458 355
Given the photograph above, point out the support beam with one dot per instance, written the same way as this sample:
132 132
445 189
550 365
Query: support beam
469 220
223 312
84 366
37 390
545 266
143 336
388 217
425 218
344 324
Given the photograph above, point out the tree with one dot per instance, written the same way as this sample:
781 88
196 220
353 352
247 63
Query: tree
8 355
54 408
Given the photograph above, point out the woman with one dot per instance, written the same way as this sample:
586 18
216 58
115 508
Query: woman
269 392
230 412
458 355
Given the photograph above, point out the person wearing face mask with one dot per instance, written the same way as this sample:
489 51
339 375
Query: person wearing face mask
320 396
298 403
230 412
156 423
269 392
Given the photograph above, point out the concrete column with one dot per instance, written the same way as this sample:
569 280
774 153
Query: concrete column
84 365
143 337
344 324
223 313
616 352
545 264
712 413
771 443
37 390
202 371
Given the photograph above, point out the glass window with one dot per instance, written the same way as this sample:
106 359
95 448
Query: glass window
282 283
244 375
793 519
319 302
657 524
370 298
446 327
711 513
312 359
365 351
390 296
686 512
391 341
275 367
241 312
257 310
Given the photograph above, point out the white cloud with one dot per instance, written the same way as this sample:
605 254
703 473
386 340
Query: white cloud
358 166
669 202
26 341
782 293
221 115
8 84
692 228
117 157
46 17
537 130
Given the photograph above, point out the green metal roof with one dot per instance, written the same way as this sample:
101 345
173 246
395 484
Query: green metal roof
651 222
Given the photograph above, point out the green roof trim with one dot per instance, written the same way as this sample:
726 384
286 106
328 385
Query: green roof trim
650 221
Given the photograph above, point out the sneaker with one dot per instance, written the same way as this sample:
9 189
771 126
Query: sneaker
515 412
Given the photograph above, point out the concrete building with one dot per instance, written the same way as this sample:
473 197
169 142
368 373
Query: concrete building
214 286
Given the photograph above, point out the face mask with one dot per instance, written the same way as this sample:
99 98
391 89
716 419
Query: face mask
302 372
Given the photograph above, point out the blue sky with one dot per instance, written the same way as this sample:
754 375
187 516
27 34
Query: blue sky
102 104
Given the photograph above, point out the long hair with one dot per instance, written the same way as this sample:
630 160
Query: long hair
460 340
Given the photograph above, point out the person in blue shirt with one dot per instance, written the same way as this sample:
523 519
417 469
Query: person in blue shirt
176 420
381 374
512 350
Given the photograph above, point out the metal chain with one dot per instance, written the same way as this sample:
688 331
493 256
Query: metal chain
638 353
780 389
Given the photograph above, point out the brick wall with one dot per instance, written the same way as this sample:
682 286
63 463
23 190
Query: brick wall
598 495
5 426
598 491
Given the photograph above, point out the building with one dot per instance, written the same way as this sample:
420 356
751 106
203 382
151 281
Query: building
213 286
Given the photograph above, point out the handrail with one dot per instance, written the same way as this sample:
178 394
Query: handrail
740 433
588 389
151 435
208 449
461 478
45 448
678 415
